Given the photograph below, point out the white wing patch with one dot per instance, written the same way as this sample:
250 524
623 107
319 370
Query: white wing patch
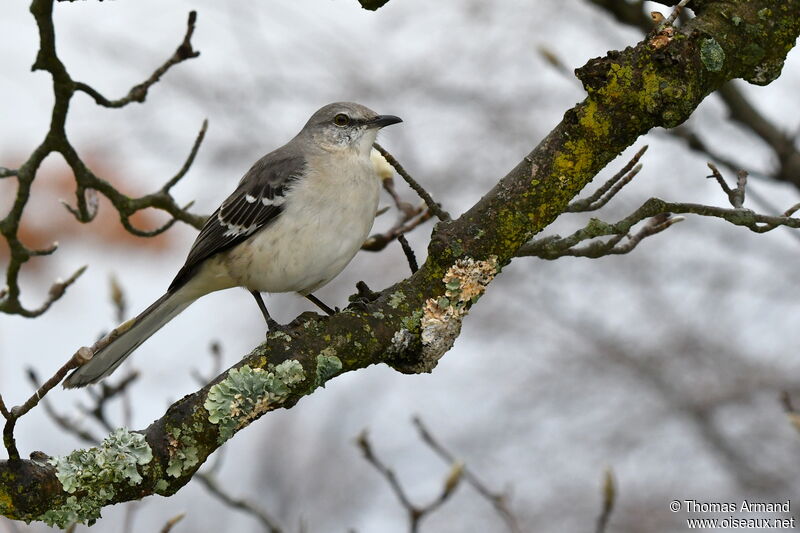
277 201
235 229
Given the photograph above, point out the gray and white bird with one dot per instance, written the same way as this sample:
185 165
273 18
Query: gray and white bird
296 219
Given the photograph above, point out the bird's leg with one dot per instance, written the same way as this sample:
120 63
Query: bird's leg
320 304
271 324
364 297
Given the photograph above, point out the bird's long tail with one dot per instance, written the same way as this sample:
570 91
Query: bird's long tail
125 338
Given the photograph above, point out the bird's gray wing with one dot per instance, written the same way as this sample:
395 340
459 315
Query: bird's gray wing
256 202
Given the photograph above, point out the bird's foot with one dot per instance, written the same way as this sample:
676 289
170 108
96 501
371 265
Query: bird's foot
273 326
364 297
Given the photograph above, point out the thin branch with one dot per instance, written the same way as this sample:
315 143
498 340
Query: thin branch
8 172
366 448
67 424
675 12
15 413
189 160
415 514
554 246
138 93
610 188
171 523
432 206
609 498
660 214
3 409
791 412
107 393
409 253
499 500
410 218
379 241
211 484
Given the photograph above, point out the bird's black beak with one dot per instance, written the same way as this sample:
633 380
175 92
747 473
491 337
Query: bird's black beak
383 120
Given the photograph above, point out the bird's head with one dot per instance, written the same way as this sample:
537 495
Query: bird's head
346 126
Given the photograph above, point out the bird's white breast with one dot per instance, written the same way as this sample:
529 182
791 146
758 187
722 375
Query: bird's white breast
326 218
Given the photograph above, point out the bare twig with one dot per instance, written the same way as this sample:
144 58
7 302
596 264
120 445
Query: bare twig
15 413
215 351
62 421
379 241
410 218
189 160
409 252
791 412
210 483
554 246
138 93
107 393
735 196
118 299
675 12
609 498
499 500
660 214
610 188
432 206
3 409
7 172
171 523
415 513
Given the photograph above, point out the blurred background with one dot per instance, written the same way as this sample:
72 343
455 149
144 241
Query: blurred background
666 365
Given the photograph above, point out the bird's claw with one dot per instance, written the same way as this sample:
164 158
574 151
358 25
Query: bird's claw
364 297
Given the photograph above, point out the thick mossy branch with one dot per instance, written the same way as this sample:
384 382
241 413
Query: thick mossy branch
629 93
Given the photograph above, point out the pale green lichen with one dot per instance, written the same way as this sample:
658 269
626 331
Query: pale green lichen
328 365
280 335
161 486
395 299
183 453
247 393
412 323
464 283
712 55
93 472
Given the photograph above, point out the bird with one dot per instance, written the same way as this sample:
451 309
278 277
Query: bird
295 220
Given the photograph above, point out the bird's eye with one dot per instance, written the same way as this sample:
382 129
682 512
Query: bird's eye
341 120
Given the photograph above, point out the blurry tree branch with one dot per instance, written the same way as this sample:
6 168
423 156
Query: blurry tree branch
609 493
138 93
209 481
415 512
88 184
412 324
499 500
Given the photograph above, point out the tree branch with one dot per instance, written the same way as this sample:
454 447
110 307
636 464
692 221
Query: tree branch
415 513
88 185
138 93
